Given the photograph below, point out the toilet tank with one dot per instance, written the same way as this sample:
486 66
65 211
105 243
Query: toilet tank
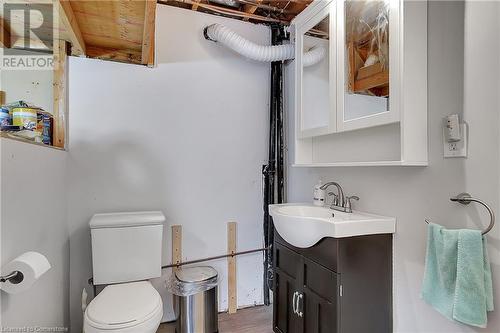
126 246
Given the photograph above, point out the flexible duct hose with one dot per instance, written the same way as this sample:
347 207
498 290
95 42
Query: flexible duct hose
230 39
313 56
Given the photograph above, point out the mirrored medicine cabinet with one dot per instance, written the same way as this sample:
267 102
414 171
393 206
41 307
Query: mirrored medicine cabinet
360 83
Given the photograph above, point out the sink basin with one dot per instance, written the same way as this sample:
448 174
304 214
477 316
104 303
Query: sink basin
304 225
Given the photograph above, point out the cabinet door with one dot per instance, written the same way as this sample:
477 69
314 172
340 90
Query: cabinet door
368 53
318 299
287 264
315 73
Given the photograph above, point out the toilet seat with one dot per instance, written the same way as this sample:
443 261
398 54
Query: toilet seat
127 307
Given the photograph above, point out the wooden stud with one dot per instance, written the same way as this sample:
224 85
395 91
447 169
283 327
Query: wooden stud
176 246
68 20
231 268
380 91
151 60
60 93
4 34
376 80
352 65
250 9
368 71
2 97
148 32
195 5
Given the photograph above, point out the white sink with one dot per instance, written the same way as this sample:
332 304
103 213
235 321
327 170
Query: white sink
303 225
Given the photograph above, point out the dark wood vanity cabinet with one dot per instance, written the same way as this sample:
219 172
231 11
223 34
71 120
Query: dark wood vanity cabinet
339 285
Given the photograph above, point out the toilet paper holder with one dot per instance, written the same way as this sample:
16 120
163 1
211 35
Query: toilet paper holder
14 277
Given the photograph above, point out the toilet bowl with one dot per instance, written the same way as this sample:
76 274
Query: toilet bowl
134 307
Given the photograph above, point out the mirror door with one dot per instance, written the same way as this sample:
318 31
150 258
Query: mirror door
315 77
368 66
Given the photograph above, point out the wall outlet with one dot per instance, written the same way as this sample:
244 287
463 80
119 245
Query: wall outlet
457 148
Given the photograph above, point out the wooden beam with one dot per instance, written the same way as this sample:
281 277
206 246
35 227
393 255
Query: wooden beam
148 35
60 93
176 246
231 268
2 97
368 71
227 11
250 9
194 6
128 56
68 20
4 34
376 80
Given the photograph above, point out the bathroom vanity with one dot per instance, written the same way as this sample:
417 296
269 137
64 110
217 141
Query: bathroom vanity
332 270
338 285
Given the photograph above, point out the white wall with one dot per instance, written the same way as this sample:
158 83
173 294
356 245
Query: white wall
414 193
188 137
33 86
33 218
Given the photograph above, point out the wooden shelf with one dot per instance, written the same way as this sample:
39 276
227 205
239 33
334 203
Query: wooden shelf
6 135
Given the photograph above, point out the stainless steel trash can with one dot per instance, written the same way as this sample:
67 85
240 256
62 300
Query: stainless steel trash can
197 312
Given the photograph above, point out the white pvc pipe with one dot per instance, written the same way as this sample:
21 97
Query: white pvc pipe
230 39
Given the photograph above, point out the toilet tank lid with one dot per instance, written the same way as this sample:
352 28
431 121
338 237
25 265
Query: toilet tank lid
128 219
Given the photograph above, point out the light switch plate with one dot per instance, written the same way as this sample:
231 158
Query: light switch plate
459 148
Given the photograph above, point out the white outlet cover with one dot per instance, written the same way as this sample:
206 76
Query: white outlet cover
459 148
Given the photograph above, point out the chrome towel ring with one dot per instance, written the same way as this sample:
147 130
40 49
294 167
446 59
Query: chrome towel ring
465 199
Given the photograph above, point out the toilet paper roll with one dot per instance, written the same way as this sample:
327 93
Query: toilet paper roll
31 264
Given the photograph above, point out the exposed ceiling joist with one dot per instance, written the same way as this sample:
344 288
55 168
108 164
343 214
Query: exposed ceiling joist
195 5
226 11
68 20
279 11
148 36
132 57
251 9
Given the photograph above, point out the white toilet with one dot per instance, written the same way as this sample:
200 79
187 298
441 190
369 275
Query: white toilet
126 251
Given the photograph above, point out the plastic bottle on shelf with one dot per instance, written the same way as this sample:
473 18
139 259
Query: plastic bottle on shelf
319 195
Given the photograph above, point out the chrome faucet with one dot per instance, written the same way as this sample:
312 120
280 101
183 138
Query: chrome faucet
339 201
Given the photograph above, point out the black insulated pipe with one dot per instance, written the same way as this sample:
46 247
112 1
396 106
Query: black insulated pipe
273 171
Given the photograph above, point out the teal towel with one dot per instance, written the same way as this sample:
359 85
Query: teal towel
457 279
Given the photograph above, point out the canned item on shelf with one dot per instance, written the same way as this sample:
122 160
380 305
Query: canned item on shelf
25 117
44 126
5 119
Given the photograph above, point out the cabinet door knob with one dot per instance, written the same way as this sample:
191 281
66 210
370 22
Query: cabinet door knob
299 305
294 302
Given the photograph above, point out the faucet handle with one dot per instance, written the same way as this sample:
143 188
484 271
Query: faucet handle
348 204
335 199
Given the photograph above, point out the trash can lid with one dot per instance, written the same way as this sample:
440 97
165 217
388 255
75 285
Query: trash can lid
196 274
